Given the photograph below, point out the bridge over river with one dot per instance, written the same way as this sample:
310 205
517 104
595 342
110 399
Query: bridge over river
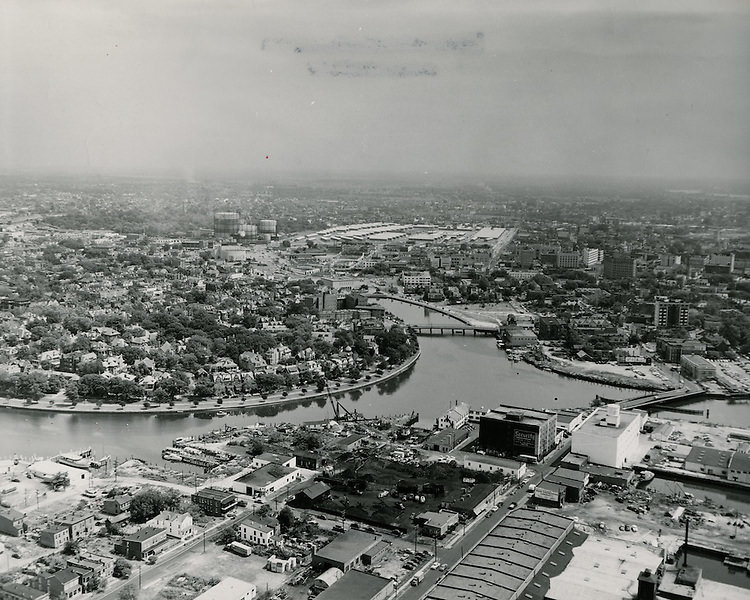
465 324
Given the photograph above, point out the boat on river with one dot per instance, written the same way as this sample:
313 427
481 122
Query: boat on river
79 460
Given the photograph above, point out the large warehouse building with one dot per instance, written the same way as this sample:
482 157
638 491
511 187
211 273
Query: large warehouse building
518 431
504 563
610 437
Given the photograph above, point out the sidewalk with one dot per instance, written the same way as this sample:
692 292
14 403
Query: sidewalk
50 403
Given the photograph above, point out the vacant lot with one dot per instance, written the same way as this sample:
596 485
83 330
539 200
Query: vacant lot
213 563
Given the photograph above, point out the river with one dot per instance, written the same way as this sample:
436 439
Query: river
464 369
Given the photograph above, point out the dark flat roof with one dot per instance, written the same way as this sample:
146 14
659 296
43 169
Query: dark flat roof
355 584
348 546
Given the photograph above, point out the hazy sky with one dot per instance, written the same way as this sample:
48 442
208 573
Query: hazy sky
625 88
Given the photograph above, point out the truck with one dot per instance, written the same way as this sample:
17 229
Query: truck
417 579
239 548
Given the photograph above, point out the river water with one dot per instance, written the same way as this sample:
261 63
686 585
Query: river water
464 369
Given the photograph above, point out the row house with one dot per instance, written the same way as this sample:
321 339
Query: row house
101 566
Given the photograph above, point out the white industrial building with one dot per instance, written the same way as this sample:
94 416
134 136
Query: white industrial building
610 437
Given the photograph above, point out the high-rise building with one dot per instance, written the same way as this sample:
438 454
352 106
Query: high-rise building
226 224
619 267
591 256
518 431
670 313
567 260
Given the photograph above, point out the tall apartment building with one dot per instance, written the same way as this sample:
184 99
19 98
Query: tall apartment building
591 256
670 313
619 267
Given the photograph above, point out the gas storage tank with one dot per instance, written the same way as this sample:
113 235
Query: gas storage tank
267 226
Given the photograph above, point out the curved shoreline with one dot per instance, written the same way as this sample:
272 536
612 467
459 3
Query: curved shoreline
595 377
187 408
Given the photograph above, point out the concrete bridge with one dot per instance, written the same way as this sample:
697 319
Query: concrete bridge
660 399
455 329
479 327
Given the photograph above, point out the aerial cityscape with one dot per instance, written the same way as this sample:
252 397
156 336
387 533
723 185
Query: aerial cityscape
287 313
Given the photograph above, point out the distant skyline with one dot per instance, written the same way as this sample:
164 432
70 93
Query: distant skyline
656 89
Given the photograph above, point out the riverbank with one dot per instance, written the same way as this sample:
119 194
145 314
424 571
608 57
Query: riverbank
614 379
226 405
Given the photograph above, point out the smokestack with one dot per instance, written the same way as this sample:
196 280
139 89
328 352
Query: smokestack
687 529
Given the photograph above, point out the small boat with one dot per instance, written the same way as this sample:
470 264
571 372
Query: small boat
171 456
646 477
500 344
221 413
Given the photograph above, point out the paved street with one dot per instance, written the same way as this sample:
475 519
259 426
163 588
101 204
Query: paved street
479 529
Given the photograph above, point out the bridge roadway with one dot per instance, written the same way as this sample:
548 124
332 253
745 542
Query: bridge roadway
661 398
474 325
475 330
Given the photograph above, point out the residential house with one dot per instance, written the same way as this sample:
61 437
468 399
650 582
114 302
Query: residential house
178 525
20 591
55 536
64 584
11 522
116 504
143 543
259 530
79 524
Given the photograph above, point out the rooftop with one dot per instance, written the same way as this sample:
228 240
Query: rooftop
603 569
348 546
500 564
596 424
521 415
355 584
265 475
143 534
229 587
709 457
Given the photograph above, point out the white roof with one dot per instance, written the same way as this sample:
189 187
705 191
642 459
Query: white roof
228 588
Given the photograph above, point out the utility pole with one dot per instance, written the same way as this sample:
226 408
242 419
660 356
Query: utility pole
139 577
415 540
204 541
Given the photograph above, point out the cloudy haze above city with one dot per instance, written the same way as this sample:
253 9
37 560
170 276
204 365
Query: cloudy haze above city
613 88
